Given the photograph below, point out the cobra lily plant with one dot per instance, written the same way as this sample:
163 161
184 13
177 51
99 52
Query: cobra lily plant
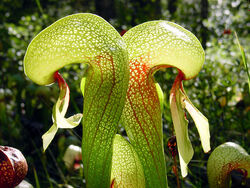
152 46
119 87
223 160
13 167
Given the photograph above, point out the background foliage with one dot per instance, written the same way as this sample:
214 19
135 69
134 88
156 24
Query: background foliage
220 91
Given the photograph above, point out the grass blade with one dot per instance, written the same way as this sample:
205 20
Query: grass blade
36 178
243 59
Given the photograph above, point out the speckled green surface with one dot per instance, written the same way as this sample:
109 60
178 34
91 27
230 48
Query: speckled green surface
152 46
127 171
225 158
87 38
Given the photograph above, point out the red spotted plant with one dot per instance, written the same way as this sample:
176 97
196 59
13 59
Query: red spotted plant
84 38
152 46
223 160
119 86
13 167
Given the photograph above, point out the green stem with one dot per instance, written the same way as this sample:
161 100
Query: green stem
39 6
176 174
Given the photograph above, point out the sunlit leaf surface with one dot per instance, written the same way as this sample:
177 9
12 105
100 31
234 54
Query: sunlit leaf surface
152 46
85 38
225 158
127 170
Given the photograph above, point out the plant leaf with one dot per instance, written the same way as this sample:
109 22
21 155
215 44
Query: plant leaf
127 170
59 111
82 85
86 38
185 149
224 159
178 102
68 123
151 46
243 56
48 136
160 95
200 121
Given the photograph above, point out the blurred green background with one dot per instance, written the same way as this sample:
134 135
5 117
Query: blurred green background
220 91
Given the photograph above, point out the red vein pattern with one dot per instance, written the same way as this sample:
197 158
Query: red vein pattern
142 120
87 38
151 46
